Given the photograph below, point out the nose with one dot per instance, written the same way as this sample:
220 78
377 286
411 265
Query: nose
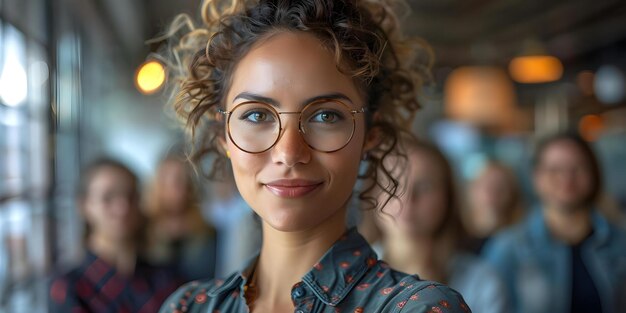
291 149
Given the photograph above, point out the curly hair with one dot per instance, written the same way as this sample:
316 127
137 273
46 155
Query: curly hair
364 36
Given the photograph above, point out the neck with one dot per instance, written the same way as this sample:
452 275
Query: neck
292 254
426 256
173 227
570 225
120 254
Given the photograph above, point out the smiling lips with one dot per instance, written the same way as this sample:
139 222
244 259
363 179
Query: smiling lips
292 188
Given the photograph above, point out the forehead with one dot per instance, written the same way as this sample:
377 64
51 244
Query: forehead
108 177
289 67
562 151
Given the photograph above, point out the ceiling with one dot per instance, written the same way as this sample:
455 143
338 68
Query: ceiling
461 32
478 31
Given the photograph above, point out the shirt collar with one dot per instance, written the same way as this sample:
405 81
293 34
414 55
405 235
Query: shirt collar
332 278
343 265
538 227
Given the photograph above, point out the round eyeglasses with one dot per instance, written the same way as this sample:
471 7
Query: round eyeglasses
326 125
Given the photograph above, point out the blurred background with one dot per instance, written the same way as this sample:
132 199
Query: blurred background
75 85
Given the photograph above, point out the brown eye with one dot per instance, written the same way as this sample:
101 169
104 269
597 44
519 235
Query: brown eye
256 116
326 116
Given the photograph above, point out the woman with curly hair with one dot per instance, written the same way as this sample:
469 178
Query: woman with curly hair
294 96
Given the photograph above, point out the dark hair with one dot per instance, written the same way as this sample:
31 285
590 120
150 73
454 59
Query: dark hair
89 171
87 175
584 148
363 35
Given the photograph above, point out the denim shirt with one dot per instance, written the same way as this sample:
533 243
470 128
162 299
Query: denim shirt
348 278
482 287
538 269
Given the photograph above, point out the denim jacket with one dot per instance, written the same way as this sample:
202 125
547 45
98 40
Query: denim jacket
348 278
538 269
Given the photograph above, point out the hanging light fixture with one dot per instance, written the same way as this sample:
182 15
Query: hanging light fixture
591 126
534 65
481 95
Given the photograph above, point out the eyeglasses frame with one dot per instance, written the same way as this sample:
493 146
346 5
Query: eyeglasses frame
228 115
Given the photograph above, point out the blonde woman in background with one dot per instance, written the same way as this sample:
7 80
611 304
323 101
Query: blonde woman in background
178 235
420 231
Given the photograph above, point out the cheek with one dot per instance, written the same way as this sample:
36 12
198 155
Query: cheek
431 207
585 180
342 166
542 183
245 167
95 213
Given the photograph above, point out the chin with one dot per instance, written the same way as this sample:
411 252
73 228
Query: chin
570 205
290 219
297 215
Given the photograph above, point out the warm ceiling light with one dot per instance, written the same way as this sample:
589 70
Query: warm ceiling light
533 69
150 77
480 95
590 127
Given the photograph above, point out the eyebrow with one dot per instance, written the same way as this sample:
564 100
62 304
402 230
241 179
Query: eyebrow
255 97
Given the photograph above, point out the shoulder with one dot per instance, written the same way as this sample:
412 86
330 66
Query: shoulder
470 268
479 283
67 279
191 294
508 239
428 296
617 235
610 247
62 290
392 291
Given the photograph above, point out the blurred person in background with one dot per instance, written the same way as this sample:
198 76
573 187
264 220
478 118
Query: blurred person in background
421 231
177 233
565 257
494 203
112 277
238 228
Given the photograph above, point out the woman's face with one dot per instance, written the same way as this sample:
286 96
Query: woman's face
563 177
173 191
491 198
291 186
111 205
421 208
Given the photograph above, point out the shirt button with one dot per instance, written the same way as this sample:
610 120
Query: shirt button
298 292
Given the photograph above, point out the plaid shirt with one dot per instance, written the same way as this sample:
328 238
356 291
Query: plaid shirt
96 287
347 279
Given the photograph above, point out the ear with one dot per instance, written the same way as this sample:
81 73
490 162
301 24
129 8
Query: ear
222 145
373 139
